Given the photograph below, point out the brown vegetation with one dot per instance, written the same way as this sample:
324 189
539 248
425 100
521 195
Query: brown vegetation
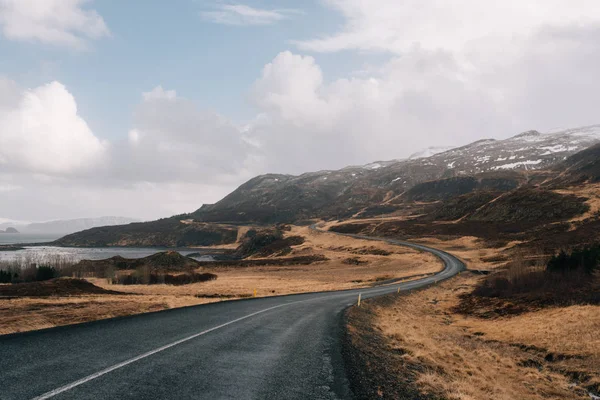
417 346
30 313
54 287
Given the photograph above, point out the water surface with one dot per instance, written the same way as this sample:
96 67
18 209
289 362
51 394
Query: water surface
42 253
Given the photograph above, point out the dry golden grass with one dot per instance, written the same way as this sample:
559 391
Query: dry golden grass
579 324
25 314
468 358
472 251
233 282
321 276
592 193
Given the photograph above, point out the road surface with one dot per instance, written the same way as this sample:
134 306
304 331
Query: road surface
284 347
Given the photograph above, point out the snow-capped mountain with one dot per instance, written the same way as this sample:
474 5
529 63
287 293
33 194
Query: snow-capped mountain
281 197
528 150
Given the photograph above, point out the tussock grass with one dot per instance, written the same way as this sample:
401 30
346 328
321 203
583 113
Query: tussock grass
464 357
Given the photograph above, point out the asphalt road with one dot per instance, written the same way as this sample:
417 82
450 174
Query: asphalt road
284 347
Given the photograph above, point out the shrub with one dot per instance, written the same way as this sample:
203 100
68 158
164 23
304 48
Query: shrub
144 278
354 261
184 279
45 273
557 278
586 259
7 276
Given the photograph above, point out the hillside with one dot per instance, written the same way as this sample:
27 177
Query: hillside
398 186
170 261
583 167
167 232
548 210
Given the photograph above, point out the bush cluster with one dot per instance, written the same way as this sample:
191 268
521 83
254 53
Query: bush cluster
586 259
8 276
155 278
30 274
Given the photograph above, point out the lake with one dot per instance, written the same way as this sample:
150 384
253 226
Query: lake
42 253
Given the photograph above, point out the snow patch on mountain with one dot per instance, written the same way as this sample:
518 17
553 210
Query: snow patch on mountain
532 149
428 152
516 165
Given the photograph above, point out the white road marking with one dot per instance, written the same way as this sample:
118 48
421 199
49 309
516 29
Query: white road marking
98 374
88 378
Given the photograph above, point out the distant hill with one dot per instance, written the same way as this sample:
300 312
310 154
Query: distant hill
65 227
166 232
9 230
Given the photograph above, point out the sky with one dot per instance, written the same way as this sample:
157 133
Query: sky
147 108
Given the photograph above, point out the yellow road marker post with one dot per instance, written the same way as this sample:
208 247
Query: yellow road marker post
359 296
254 292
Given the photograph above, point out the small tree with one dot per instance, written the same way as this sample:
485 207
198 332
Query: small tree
45 273
5 276
586 259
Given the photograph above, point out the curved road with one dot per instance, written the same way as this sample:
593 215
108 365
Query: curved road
284 347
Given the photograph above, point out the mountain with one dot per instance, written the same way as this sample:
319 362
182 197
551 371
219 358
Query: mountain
73 225
9 230
547 210
373 189
581 167
340 194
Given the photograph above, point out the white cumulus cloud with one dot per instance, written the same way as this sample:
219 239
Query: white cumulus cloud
58 22
41 132
397 26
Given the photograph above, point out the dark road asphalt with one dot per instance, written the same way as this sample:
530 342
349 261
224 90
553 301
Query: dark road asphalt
267 348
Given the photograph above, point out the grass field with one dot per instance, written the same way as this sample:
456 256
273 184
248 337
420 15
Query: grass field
551 353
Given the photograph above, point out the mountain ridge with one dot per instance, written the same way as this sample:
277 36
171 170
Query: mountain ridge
371 189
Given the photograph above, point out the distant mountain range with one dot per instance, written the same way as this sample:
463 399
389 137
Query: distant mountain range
65 227
359 191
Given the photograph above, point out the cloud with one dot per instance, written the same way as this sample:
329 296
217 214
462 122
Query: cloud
40 201
8 188
455 73
451 75
53 166
41 132
57 22
396 27
171 139
243 15
308 123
